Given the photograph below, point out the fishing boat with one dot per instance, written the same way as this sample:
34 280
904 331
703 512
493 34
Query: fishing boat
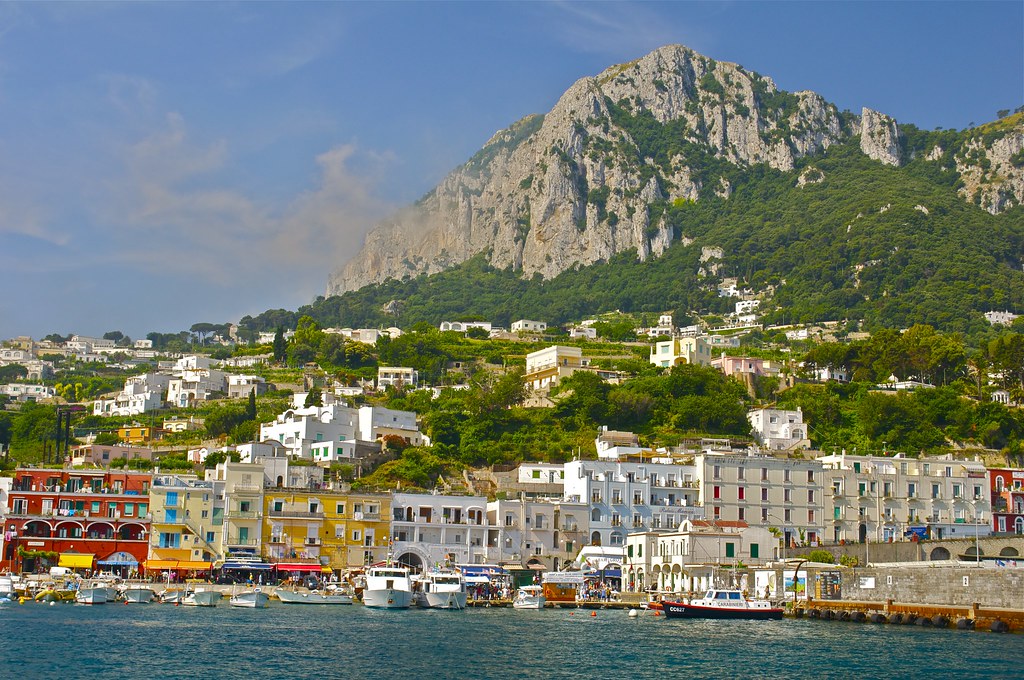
92 594
201 597
722 604
529 597
442 590
137 594
388 588
250 599
313 597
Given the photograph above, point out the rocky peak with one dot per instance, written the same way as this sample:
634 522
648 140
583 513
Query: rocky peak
879 137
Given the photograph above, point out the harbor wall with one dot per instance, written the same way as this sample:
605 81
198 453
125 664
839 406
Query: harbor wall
936 585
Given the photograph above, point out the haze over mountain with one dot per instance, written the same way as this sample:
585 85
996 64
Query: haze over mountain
594 177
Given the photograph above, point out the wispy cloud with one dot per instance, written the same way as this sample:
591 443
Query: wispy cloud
610 27
173 191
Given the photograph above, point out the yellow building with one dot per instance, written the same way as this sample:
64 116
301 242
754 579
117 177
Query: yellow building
242 504
134 434
331 528
185 532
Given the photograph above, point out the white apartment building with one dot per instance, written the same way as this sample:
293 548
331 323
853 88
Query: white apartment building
583 333
298 429
778 429
686 560
613 445
397 376
625 496
463 326
536 533
27 391
140 394
429 529
682 350
784 493
747 306
192 385
377 422
527 326
541 473
239 386
885 498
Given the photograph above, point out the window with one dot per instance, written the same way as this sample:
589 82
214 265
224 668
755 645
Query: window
957 491
810 476
129 509
810 516
764 514
740 473
755 551
536 474
718 512
509 519
209 537
278 506
717 472
741 493
787 495
935 491
912 490
340 509
764 494
810 495
741 514
95 508
764 474
787 516
357 535
717 492
786 475
730 549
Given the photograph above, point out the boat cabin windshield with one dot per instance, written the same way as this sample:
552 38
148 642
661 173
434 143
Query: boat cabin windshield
723 595
448 580
393 573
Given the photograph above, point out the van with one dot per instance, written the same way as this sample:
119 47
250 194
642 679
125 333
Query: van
60 572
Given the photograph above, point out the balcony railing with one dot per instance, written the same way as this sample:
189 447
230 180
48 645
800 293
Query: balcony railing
236 541
243 514
305 514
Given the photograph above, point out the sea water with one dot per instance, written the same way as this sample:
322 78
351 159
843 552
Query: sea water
299 641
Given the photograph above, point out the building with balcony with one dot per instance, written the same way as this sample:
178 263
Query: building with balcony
356 529
140 394
681 350
778 429
686 560
783 493
186 525
238 494
103 454
527 326
397 377
241 386
536 534
1006 488
887 498
428 529
627 496
92 519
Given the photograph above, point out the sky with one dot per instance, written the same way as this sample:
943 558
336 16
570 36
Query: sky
170 163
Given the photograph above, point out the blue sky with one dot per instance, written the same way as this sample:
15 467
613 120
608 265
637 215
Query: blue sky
163 164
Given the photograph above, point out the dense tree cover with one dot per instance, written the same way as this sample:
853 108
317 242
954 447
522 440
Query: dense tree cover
859 244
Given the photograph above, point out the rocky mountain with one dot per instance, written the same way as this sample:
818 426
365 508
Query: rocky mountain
592 178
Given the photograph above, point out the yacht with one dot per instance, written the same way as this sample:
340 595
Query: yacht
313 597
92 593
529 597
442 590
388 588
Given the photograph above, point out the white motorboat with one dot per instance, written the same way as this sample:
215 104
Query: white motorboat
250 599
137 594
722 604
388 588
171 596
442 590
200 597
313 597
92 594
8 587
529 597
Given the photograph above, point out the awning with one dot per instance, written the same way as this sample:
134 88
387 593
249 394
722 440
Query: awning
190 565
301 566
75 560
119 559
253 566
480 570
474 580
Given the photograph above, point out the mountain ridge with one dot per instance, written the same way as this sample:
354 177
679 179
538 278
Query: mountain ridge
592 178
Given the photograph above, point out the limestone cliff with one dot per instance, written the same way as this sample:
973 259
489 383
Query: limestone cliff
588 180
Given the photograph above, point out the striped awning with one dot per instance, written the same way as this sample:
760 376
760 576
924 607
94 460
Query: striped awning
76 560
119 559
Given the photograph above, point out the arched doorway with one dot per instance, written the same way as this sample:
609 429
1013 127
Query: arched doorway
939 554
595 538
1009 551
863 532
411 560
1018 526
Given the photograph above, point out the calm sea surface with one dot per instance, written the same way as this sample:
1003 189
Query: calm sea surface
163 641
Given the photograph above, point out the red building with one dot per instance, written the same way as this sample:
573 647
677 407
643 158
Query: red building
92 519
1007 487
